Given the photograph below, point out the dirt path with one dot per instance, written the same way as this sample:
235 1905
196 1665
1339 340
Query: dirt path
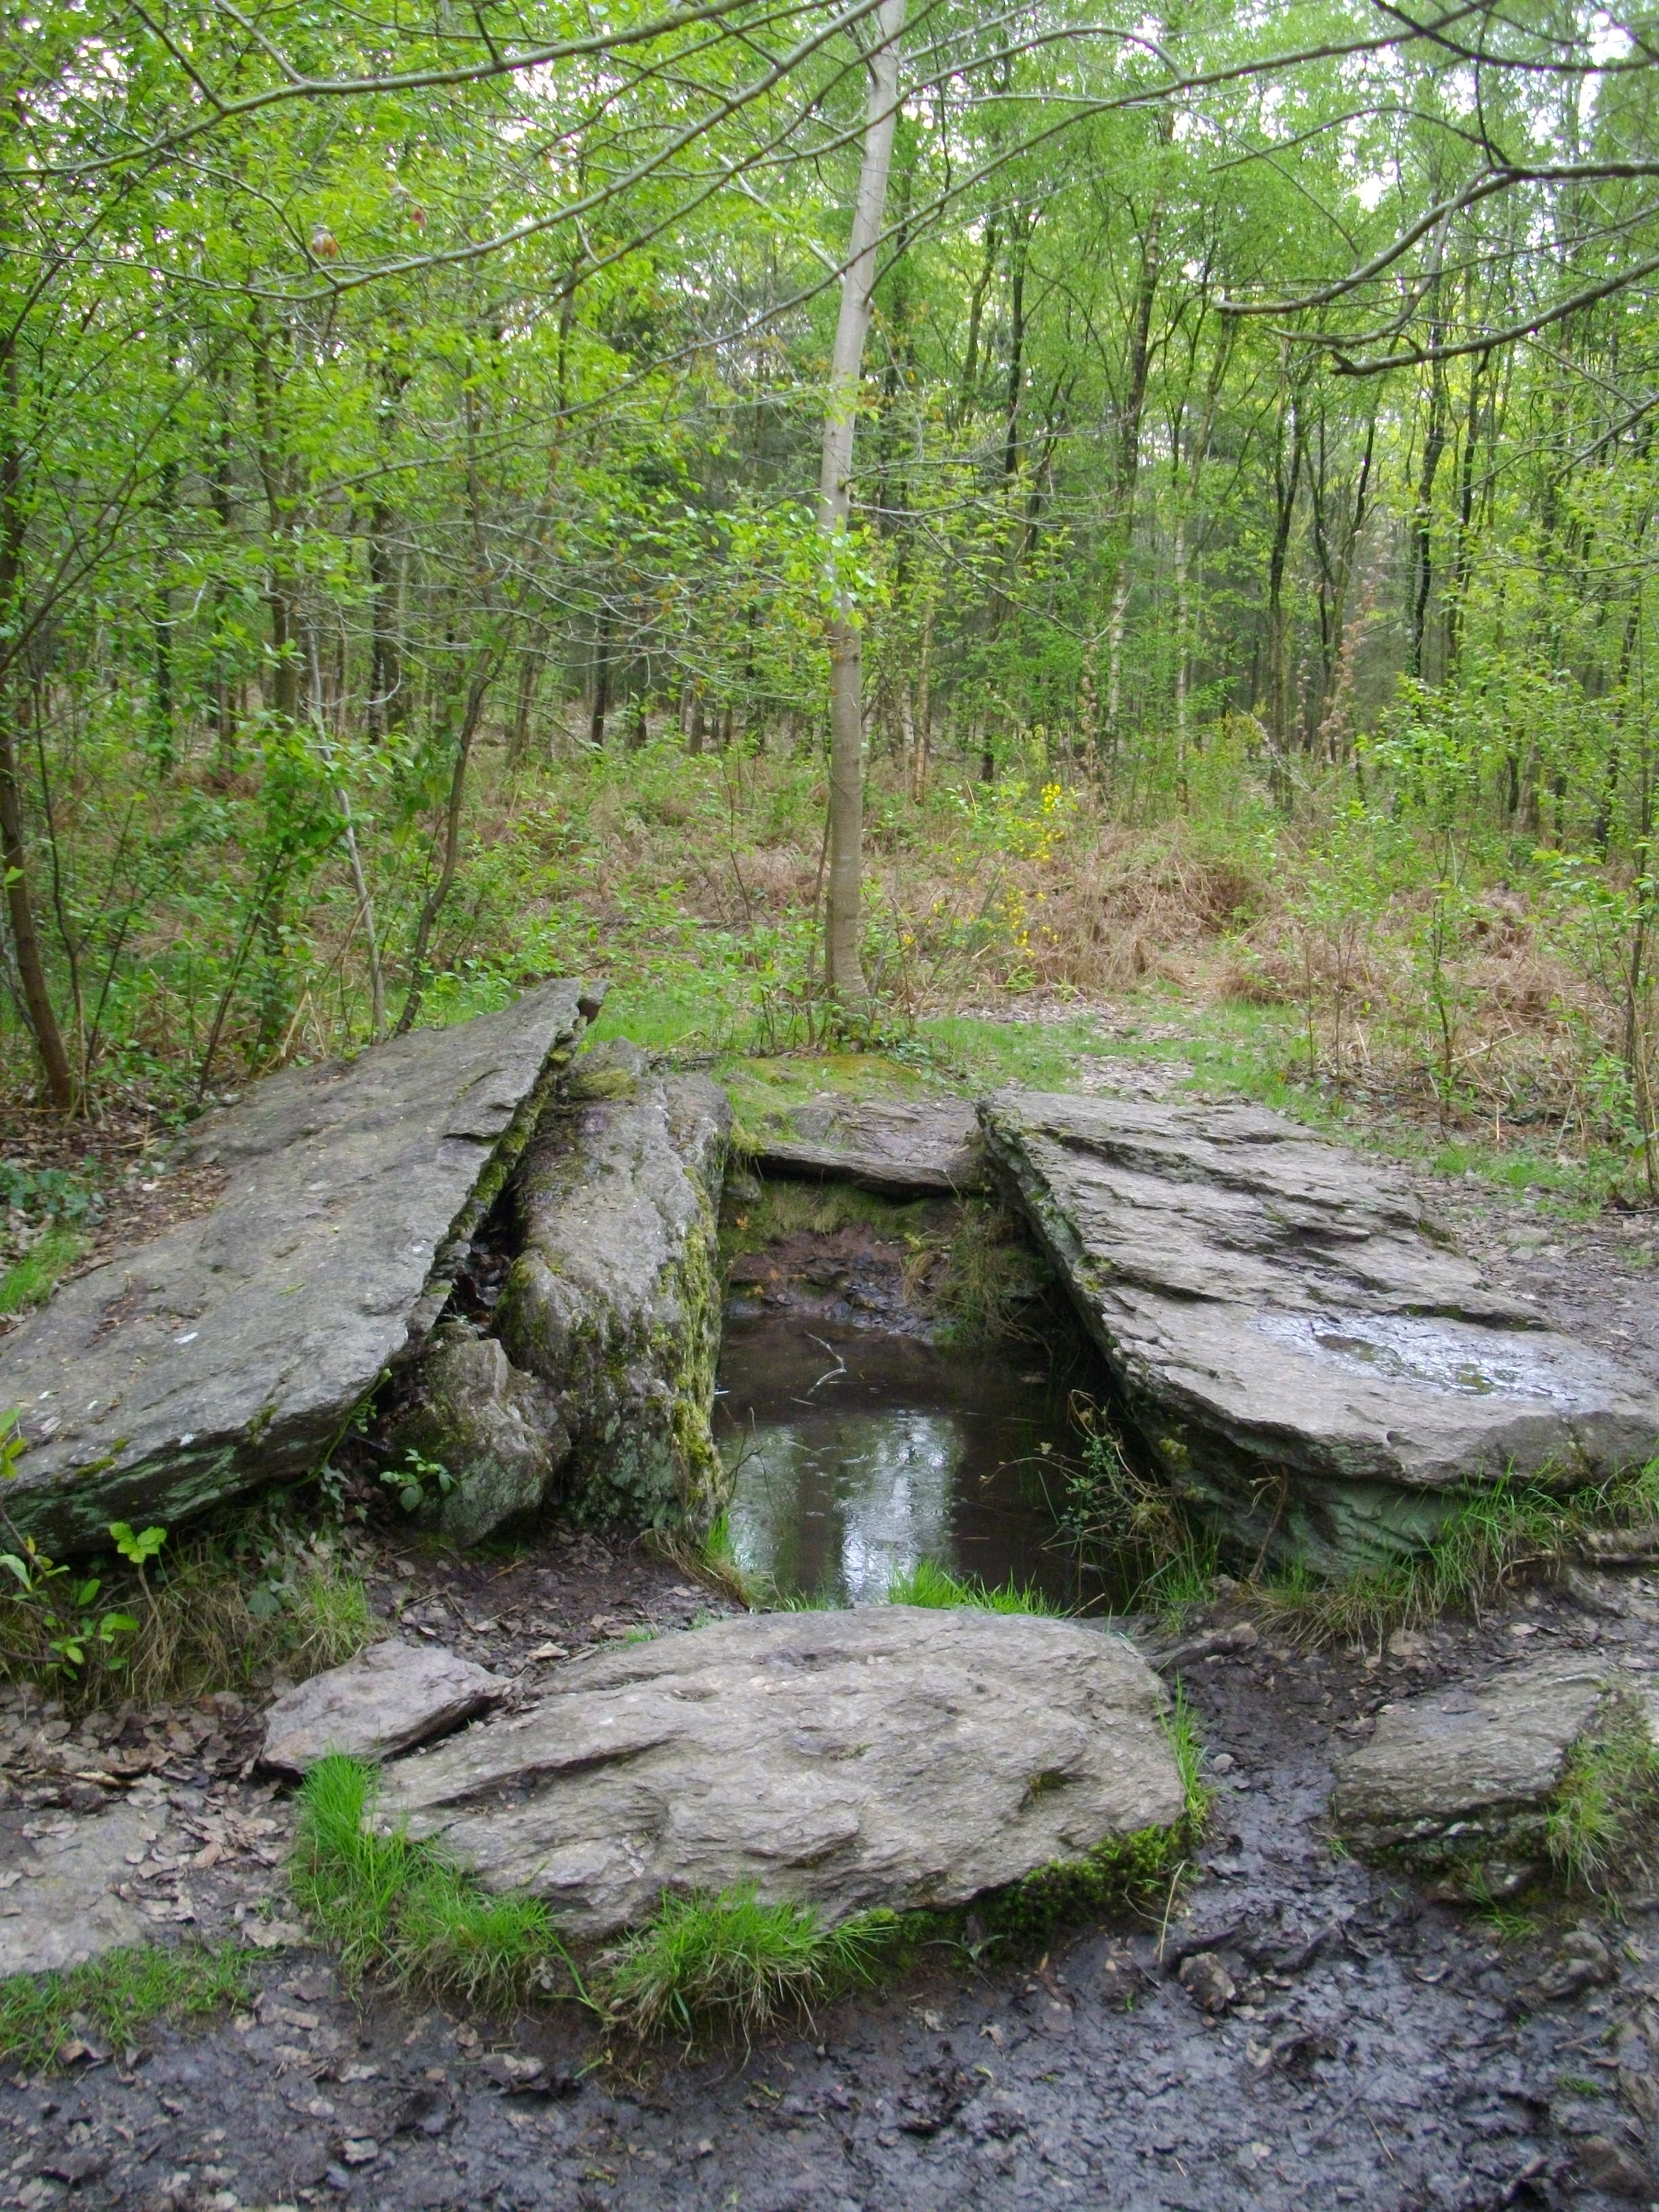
1377 2054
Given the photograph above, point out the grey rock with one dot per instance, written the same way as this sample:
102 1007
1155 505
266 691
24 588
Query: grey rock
887 1756
61 1908
392 1696
614 1300
231 1352
494 1430
1457 1773
1207 1982
1309 1364
893 1145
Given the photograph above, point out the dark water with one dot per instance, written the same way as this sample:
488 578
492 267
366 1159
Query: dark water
859 1453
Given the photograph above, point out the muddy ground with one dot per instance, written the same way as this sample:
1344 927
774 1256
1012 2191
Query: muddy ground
1381 2049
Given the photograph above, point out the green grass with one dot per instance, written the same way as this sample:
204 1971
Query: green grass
401 1909
927 1584
1181 1731
1490 1540
1607 1803
735 1962
30 1281
115 1998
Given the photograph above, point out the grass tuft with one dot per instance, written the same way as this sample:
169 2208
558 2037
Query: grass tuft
31 1280
927 1584
399 1908
116 1996
1607 1803
1492 1538
732 1962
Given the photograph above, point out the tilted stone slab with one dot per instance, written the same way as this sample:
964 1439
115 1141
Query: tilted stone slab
614 1300
890 1756
391 1697
1463 1772
1303 1358
897 1146
231 1352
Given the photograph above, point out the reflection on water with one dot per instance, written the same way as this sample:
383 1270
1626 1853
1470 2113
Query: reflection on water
858 1453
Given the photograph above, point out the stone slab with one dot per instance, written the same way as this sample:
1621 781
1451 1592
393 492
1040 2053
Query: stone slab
1473 1767
614 1300
391 1697
898 1148
889 1756
1305 1357
230 1353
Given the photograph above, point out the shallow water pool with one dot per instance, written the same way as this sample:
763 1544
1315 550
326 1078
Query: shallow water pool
859 1453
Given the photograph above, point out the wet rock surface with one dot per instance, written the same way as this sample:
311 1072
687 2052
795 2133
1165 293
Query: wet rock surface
886 1756
1374 2052
902 1147
229 1352
1303 1358
390 1697
614 1299
1468 1771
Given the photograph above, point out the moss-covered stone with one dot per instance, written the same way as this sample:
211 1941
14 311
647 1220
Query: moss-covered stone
614 1300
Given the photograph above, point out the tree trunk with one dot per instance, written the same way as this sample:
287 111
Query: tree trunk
843 971
14 857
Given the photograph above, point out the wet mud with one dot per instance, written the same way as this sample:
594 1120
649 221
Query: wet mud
1377 2048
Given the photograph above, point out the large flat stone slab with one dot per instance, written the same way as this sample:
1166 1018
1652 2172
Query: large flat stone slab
614 1300
230 1353
897 1146
389 1698
888 1756
1305 1359
1470 1771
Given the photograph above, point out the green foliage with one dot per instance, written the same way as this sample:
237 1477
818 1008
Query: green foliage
137 1550
927 1584
113 1999
732 1963
52 1623
1605 1810
419 1482
1128 1526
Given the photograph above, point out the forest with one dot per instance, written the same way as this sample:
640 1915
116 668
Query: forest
854 522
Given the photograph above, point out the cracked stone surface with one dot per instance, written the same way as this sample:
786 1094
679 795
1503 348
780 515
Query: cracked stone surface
1304 1357
229 1353
888 1756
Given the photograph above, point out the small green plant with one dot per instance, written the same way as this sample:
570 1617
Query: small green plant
53 1619
419 1482
927 1584
116 1996
1606 1804
30 1280
732 1960
12 1443
137 1550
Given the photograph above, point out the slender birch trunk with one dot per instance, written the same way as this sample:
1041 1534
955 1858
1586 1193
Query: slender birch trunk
843 971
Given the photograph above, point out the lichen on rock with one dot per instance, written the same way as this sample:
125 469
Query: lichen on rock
614 1299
